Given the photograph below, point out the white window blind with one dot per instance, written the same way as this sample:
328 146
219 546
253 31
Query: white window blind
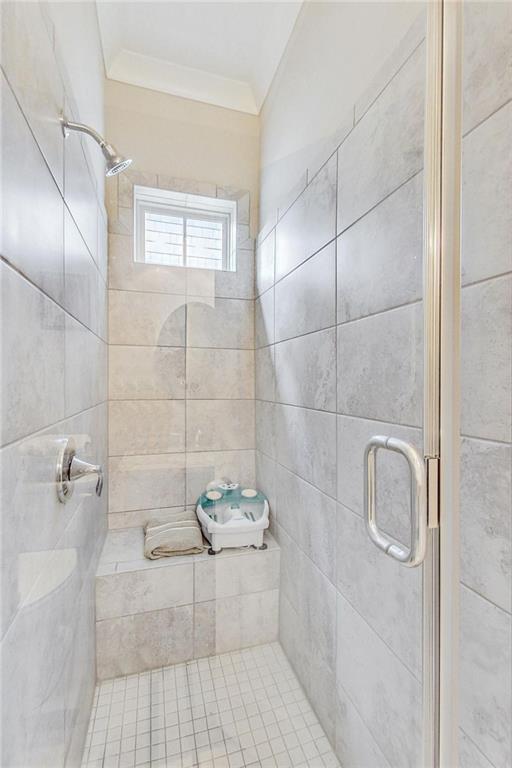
183 230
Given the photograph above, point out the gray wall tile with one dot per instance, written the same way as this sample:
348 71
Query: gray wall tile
309 517
220 373
385 693
485 676
469 754
266 428
81 279
265 373
293 638
228 576
310 223
144 641
35 79
80 192
386 594
265 260
306 299
244 621
134 592
264 319
486 557
386 146
145 373
224 323
231 284
32 214
126 274
85 369
380 366
306 370
266 482
146 426
486 359
32 345
486 67
147 319
143 482
486 192
380 256
355 744
219 425
306 444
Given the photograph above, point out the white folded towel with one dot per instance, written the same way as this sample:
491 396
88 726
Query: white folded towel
178 534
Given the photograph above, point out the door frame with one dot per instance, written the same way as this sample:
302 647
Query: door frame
441 416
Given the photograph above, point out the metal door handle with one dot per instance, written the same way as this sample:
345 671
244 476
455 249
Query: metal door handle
414 554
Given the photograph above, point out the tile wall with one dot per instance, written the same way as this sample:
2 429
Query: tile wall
339 358
54 384
486 417
181 365
152 613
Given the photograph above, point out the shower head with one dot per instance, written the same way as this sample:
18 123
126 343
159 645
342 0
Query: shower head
116 163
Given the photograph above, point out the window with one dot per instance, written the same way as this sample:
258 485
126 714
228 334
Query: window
178 229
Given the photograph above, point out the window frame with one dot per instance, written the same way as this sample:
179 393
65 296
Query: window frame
189 207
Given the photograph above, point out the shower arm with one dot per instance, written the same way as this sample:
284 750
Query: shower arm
115 162
69 125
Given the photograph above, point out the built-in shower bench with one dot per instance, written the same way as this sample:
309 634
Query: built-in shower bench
151 613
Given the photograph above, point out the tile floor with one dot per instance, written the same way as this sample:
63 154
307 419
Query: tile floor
244 708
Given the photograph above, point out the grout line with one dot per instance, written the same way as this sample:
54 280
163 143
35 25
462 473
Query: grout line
379 202
177 606
393 76
507 612
496 441
364 721
383 641
489 279
340 413
372 315
50 298
187 297
487 117
61 192
42 430
461 729
182 346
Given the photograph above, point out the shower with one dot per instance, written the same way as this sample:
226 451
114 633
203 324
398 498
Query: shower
115 163
256 384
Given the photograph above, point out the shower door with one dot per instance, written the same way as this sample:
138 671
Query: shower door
398 309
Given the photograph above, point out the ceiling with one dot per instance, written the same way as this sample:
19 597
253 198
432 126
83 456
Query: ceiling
223 53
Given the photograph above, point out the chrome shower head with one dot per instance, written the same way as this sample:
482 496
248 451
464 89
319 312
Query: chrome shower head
116 163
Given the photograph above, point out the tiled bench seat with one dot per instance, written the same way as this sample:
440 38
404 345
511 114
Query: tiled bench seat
152 613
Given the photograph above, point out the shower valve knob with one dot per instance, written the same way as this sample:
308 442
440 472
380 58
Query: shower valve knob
79 468
70 468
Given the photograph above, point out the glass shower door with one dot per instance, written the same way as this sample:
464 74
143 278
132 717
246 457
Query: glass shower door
391 343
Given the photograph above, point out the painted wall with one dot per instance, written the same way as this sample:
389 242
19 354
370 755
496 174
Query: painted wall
186 139
339 358
54 325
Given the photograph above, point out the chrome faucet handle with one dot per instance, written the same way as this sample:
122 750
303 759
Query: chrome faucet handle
79 468
71 468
